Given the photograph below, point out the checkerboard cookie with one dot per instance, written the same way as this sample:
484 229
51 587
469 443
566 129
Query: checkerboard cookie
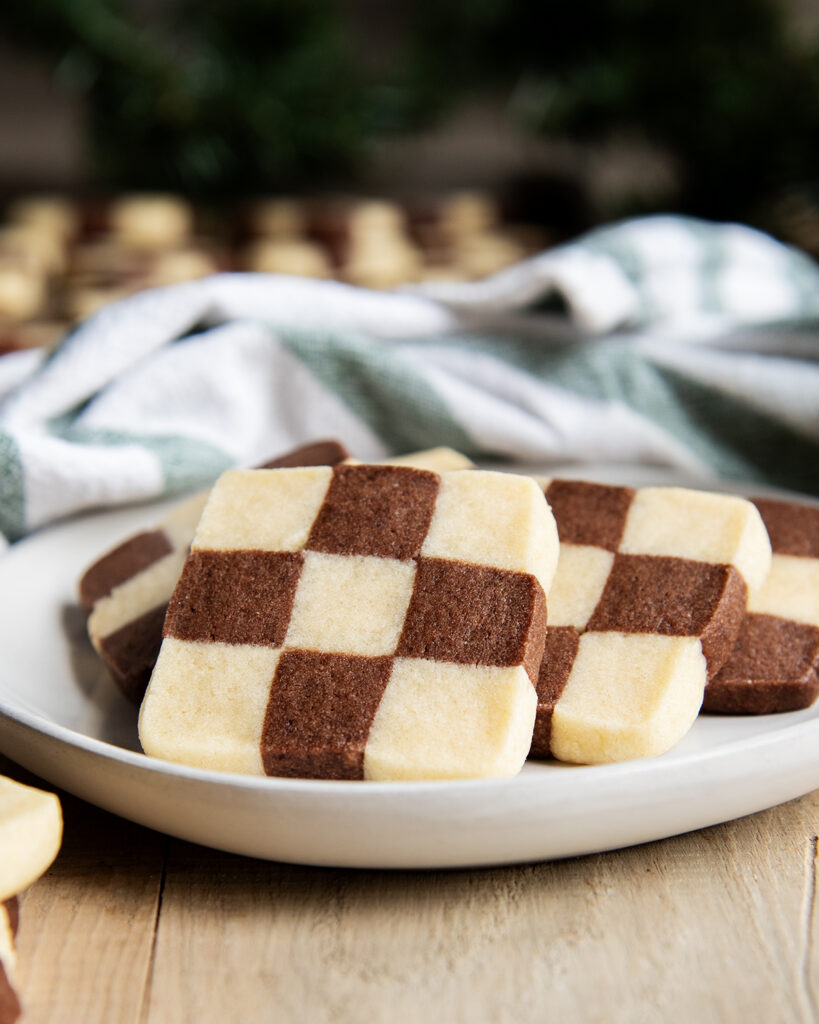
126 592
648 599
9 1003
30 835
362 622
775 663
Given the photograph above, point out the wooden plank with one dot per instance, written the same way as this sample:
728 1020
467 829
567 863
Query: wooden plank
87 926
719 926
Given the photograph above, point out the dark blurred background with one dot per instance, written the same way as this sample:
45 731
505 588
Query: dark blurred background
530 120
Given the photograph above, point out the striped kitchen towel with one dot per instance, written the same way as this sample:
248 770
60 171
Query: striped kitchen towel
663 341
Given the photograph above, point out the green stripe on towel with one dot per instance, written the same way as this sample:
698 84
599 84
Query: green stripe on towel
186 462
728 435
381 387
12 493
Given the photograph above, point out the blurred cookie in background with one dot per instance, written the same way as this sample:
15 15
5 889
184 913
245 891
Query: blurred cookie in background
63 259
147 223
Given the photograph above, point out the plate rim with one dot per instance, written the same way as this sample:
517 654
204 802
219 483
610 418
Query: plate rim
645 781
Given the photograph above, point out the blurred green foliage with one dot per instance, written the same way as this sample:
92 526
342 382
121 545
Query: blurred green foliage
723 87
224 97
211 97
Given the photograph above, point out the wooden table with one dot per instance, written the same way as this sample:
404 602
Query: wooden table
131 926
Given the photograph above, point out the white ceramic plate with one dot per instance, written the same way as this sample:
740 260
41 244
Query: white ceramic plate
62 718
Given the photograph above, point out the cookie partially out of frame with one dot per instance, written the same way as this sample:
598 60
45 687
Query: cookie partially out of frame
775 663
31 830
647 602
362 622
126 592
30 834
9 1002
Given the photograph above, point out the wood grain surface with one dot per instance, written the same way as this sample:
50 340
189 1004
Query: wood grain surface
718 925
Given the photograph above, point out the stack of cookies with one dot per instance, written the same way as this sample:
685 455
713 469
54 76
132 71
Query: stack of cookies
63 259
427 620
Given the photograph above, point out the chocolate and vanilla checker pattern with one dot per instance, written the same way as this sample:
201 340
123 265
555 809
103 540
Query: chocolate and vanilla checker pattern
647 602
126 592
775 663
361 622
